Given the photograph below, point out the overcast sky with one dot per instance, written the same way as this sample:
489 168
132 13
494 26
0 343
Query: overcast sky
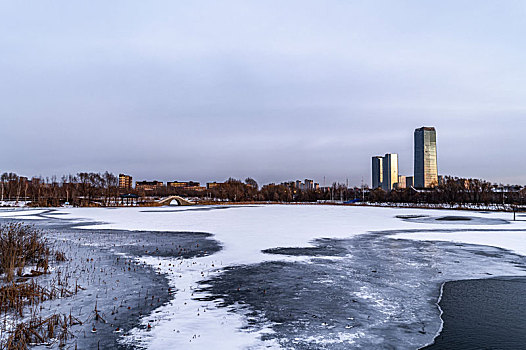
276 90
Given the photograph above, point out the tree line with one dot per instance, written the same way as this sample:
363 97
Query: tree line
82 189
455 191
102 189
236 190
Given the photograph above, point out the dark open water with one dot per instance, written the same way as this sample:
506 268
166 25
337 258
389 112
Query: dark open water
483 314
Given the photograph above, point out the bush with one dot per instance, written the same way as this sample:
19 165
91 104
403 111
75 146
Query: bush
20 245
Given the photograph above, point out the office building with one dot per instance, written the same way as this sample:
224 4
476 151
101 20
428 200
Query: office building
210 185
308 185
377 172
148 185
425 168
409 182
402 182
185 185
182 184
390 171
125 182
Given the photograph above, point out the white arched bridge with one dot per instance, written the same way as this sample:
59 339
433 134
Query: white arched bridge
179 200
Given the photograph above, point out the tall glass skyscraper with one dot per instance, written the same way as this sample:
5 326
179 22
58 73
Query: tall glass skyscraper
390 170
426 169
377 171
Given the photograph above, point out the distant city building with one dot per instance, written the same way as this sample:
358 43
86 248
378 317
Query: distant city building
210 185
425 168
186 185
125 182
409 182
182 184
441 180
390 171
377 171
195 188
148 185
402 182
298 185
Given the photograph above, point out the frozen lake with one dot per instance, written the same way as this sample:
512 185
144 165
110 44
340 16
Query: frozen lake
295 276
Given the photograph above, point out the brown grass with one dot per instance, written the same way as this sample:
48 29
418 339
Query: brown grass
41 331
14 297
21 245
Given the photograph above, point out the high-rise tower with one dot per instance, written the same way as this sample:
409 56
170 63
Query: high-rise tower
390 171
426 170
125 182
377 171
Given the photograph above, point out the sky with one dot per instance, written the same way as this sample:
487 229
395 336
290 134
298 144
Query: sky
275 90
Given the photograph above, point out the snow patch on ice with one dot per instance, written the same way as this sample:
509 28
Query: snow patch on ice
30 214
189 323
337 338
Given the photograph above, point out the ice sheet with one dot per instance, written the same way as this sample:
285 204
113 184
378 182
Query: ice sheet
244 232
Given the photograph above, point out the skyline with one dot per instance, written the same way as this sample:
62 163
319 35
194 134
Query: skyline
381 169
207 91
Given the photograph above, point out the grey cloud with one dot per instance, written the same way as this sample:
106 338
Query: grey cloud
275 90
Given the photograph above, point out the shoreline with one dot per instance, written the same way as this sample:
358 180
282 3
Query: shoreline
493 208
440 316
